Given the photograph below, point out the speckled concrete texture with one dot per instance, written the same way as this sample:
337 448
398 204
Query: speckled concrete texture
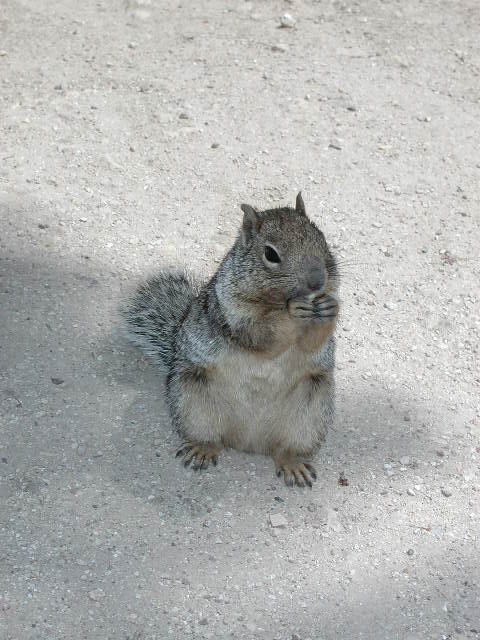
130 132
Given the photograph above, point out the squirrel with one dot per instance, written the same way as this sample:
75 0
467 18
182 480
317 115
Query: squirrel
249 356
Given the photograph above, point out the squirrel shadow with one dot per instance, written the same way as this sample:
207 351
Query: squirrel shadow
374 430
373 427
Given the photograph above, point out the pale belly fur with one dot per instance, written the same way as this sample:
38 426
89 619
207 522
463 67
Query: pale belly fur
262 399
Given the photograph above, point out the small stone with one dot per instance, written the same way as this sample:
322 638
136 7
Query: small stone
351 108
332 520
335 145
277 520
278 499
96 595
401 62
3 53
405 461
410 552
214 145
183 116
43 225
279 48
57 380
410 491
390 306
446 491
287 21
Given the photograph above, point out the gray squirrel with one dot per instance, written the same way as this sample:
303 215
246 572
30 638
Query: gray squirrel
249 356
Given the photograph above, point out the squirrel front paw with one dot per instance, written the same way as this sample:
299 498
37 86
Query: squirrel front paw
322 309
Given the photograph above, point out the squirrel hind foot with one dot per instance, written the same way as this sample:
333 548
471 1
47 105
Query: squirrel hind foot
201 454
295 471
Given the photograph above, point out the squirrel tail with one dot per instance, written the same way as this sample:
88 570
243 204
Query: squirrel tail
156 310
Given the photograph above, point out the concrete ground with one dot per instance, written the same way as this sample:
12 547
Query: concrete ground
130 133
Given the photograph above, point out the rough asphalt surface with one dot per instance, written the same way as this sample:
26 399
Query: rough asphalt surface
130 133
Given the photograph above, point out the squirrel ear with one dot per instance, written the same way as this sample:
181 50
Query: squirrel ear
299 205
251 222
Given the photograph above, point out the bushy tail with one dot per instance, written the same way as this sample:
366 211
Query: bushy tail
155 311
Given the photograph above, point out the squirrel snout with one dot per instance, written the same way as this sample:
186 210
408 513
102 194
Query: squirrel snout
311 283
314 276
315 281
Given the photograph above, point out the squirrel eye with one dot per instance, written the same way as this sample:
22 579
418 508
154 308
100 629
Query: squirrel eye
271 255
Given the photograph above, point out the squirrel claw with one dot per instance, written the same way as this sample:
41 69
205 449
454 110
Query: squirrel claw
300 474
324 308
198 453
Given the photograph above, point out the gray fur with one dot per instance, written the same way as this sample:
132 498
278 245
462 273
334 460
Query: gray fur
155 312
249 356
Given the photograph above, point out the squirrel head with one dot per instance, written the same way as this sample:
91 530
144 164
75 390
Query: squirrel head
283 255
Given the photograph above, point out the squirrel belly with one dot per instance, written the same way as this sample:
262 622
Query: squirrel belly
249 356
273 402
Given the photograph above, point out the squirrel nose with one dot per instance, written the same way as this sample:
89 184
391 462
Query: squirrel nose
315 280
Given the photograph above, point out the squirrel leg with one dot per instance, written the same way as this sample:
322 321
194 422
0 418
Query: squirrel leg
304 431
197 417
